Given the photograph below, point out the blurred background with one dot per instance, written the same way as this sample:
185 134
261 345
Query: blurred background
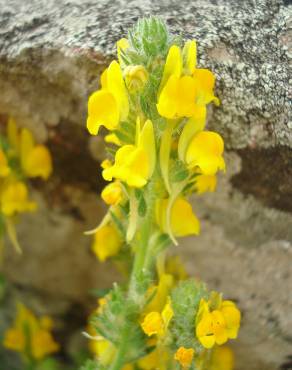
51 56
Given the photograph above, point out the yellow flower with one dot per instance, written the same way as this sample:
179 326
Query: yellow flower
35 159
184 87
156 322
4 168
107 242
106 163
109 105
30 336
204 183
218 325
177 98
134 164
113 139
182 219
184 356
135 77
112 194
14 199
205 152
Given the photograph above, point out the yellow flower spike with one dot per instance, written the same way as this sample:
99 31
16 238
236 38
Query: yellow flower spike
173 65
136 77
4 168
112 139
35 160
182 220
134 164
107 242
205 151
153 324
14 199
177 98
194 125
205 183
122 44
110 104
205 82
190 56
184 356
112 194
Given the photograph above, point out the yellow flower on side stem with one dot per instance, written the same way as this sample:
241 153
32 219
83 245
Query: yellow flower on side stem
4 168
107 242
30 336
135 77
183 221
109 105
184 356
216 326
134 164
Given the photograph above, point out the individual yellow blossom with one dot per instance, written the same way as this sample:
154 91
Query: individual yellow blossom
204 183
109 105
35 159
182 220
14 199
184 356
135 77
134 164
153 324
112 194
181 94
176 268
218 325
4 168
156 322
205 152
29 335
107 242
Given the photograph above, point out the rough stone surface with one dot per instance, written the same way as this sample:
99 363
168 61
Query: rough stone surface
51 54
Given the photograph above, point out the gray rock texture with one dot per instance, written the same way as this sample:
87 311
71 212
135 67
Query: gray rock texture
51 54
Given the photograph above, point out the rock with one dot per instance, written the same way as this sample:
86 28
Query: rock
51 54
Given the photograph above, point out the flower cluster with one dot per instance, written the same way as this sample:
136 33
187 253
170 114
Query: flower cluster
29 336
153 101
20 158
